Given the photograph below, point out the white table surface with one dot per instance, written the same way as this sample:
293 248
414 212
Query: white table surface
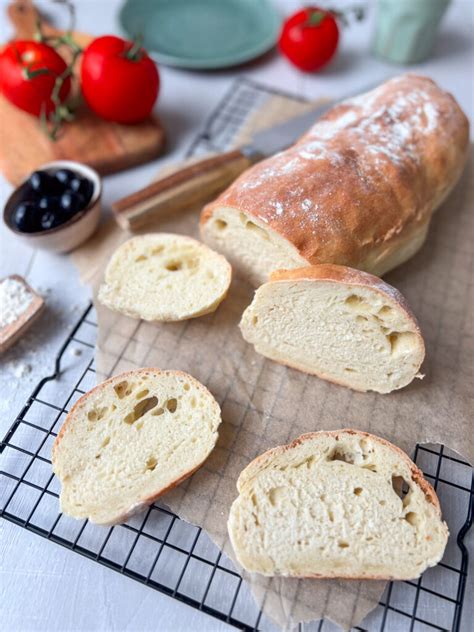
45 587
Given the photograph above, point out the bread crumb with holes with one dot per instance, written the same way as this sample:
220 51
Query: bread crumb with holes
336 504
129 440
165 277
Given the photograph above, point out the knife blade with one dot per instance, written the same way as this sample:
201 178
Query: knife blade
278 137
207 177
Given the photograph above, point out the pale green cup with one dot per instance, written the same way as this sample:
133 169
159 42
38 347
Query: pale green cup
405 30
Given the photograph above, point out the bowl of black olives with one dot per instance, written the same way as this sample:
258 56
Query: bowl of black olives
57 207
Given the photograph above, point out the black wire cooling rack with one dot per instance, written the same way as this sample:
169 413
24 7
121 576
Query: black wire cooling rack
174 557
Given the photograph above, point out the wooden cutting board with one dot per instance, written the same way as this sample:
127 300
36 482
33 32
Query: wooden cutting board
105 146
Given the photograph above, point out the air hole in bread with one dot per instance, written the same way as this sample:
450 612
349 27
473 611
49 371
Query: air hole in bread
174 266
141 409
256 229
172 405
343 545
186 386
151 463
331 516
220 224
412 518
401 342
358 491
142 393
96 414
105 442
357 302
339 455
371 467
121 389
361 319
141 258
193 402
254 320
385 310
157 250
349 370
400 486
158 411
275 495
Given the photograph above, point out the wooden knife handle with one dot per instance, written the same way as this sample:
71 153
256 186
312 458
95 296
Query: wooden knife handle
191 185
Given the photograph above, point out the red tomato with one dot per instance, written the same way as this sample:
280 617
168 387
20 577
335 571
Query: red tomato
309 38
34 94
118 84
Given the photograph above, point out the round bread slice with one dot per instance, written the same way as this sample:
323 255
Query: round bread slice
342 504
340 324
165 277
129 440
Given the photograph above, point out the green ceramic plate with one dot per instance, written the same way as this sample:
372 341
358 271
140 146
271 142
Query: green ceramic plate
202 33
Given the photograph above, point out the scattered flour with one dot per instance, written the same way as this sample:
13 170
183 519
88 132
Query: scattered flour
14 300
20 369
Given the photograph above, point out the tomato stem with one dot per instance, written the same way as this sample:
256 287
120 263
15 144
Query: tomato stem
51 124
135 53
316 16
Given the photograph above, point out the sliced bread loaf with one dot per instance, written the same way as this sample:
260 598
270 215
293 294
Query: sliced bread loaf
338 323
165 277
129 440
336 504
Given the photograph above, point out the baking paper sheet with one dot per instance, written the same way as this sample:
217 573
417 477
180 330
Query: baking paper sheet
265 404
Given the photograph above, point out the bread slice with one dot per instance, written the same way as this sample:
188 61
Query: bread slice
129 440
165 277
336 504
340 324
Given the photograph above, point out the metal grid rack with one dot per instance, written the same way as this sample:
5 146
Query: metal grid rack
174 557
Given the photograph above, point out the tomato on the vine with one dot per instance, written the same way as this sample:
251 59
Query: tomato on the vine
119 80
309 38
28 72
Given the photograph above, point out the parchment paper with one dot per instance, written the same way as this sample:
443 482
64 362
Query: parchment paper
265 404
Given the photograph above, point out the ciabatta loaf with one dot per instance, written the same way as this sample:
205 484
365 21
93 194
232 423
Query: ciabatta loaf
358 189
336 504
131 439
340 324
165 277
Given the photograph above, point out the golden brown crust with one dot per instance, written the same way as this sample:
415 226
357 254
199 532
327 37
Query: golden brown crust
371 170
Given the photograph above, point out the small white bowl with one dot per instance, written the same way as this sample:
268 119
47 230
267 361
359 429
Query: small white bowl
71 234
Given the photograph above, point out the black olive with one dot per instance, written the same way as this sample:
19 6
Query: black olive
49 203
71 202
64 176
44 184
25 217
82 186
50 220
26 193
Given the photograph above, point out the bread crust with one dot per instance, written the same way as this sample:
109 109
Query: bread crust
137 507
366 176
348 276
261 461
